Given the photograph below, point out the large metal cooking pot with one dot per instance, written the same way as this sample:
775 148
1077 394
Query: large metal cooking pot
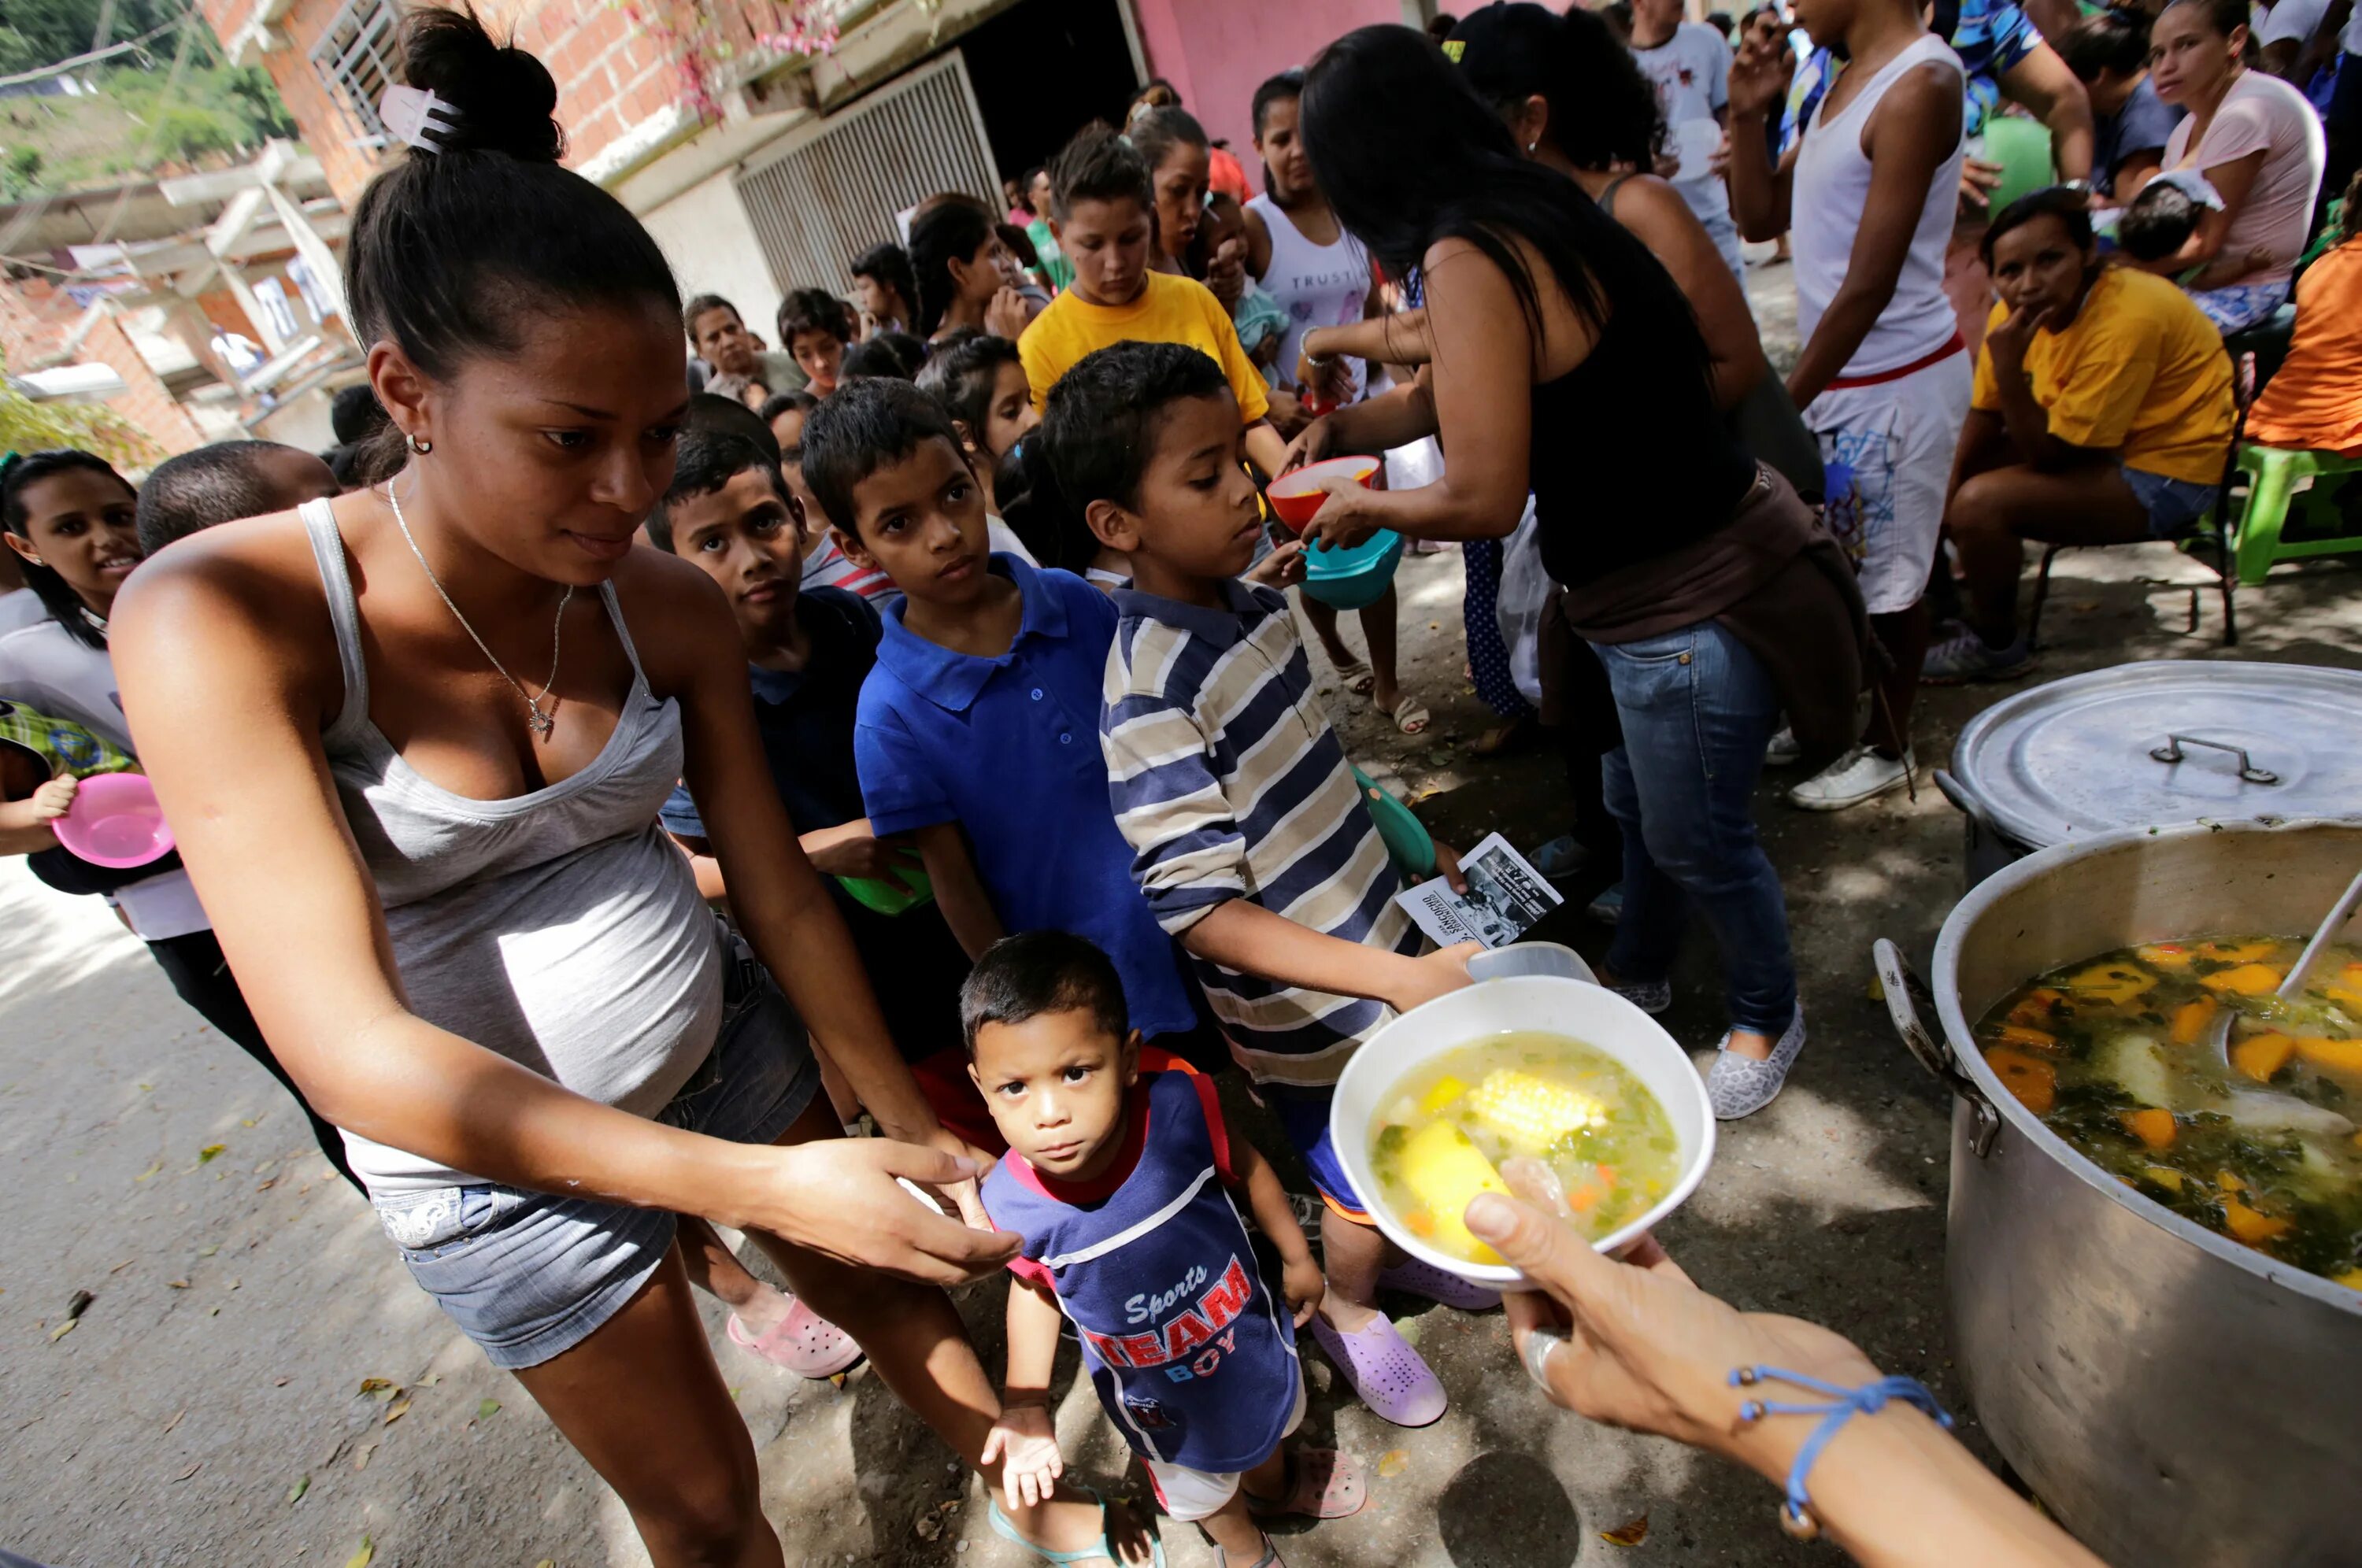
2141 745
2174 1397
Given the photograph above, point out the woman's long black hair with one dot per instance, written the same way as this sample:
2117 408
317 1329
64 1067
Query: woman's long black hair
19 474
1602 111
954 229
1409 155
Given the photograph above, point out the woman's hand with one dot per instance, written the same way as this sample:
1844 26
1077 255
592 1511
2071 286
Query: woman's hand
1641 1347
840 1197
1760 73
1447 866
1027 1446
1346 518
1284 568
1009 314
1226 272
966 1197
1979 180
2009 338
1314 442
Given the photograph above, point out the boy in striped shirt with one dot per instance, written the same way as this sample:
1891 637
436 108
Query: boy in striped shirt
1252 844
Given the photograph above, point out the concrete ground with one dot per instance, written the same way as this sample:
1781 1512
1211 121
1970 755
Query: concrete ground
214 1403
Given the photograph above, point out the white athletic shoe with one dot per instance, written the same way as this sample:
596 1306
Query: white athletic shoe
1859 775
1783 751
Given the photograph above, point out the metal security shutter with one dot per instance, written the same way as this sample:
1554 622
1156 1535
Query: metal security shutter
833 190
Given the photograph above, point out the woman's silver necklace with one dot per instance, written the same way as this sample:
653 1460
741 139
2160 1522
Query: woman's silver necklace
542 720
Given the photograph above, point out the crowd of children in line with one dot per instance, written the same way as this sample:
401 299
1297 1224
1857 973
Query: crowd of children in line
1026 677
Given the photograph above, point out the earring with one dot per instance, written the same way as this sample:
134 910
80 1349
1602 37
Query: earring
421 447
1531 145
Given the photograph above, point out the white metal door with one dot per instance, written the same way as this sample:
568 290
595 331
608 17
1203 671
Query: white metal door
831 191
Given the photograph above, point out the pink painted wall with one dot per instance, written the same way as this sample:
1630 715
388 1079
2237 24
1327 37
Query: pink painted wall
1216 53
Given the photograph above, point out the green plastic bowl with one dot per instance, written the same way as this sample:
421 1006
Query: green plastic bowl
1408 844
2022 148
1350 579
892 895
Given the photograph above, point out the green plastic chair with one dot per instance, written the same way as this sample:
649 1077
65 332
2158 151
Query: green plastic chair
2273 474
1407 843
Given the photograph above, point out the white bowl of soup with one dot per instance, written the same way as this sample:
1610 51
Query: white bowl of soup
1523 1066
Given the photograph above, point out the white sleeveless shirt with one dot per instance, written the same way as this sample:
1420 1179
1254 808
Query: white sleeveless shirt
1317 285
1830 191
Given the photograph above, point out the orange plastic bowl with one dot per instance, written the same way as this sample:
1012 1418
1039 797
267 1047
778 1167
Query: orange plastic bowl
1297 496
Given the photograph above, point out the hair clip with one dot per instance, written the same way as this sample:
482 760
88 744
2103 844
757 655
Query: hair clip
411 112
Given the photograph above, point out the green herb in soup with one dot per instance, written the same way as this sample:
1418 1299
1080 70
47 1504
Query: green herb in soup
1443 1133
2263 1148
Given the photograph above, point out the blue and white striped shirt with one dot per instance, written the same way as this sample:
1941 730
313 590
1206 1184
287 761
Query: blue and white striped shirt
1228 783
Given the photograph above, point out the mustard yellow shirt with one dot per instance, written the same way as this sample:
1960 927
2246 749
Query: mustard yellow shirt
1171 309
2140 370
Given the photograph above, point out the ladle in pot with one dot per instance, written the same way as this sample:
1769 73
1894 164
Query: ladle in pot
2217 1041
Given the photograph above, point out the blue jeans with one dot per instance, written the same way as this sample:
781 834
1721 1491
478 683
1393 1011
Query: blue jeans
1698 709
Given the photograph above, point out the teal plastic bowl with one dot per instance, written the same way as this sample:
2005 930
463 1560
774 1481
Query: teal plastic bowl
1347 579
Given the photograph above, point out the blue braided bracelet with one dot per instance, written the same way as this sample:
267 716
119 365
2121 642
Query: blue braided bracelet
1796 1517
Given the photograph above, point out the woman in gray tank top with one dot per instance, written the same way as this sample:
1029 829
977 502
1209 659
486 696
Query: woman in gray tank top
413 743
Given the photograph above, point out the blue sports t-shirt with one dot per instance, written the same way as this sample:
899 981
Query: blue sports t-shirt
1193 1357
1009 748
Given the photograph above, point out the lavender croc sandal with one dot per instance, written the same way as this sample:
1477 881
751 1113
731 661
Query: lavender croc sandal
1415 1279
1387 1374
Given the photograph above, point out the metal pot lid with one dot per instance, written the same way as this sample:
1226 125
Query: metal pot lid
2170 740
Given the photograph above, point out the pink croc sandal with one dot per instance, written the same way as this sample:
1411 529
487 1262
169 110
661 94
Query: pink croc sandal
1418 1278
1384 1371
1323 1484
803 1341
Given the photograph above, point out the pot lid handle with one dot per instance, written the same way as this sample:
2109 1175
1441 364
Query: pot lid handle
2171 752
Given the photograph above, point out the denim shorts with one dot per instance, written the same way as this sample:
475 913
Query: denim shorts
2174 506
530 1274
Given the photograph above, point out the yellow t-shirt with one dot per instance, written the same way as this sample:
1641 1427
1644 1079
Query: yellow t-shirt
1171 309
2139 370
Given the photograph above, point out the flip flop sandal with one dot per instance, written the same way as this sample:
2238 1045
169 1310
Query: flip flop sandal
1322 1485
1270 1558
1101 1549
1357 675
1408 715
803 1341
1418 1278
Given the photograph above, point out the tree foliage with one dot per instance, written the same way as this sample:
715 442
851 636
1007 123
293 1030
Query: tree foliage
35 33
30 427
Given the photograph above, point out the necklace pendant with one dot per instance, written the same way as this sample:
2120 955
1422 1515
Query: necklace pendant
542 722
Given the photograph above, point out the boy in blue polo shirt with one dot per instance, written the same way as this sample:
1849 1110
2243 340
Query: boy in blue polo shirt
977 731
1124 1181
1253 844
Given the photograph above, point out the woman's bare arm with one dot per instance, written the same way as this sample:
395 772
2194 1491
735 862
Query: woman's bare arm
1483 386
780 903
960 891
2234 181
2042 83
231 740
1661 220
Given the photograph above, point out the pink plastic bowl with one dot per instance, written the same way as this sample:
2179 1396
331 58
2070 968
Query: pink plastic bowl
115 821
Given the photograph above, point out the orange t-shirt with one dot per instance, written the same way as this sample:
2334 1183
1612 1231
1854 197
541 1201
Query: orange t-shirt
2314 403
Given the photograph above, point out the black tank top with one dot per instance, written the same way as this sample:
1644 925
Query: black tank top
1630 458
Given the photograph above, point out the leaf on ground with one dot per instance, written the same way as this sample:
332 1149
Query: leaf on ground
210 1153
151 1170
264 1168
62 1330
396 1410
546 1562
178 1284
373 1387
836 1380
192 1470
360 1559
208 1251
430 1380
175 1420
1408 1329
79 1303
1877 989
295 1493
1394 1461
361 1455
1632 1532
486 1411
118 1268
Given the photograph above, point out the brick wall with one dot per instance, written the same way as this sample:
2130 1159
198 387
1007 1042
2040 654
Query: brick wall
614 70
34 321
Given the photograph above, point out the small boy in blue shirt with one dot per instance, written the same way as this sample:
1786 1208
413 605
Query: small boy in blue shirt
1121 1176
1251 841
977 731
